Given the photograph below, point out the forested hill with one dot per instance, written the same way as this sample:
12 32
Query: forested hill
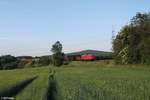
93 52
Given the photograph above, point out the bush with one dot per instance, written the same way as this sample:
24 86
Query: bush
45 60
8 62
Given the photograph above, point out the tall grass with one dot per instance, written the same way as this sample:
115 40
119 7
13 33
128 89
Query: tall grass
36 90
83 81
15 89
33 91
95 81
52 89
9 78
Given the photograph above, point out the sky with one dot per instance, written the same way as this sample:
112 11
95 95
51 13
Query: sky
30 27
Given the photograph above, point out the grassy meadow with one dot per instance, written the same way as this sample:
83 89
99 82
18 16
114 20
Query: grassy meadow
34 90
101 81
84 81
11 77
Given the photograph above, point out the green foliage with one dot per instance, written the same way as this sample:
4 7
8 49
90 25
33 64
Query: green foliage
58 56
22 64
131 45
145 51
57 47
8 62
45 60
58 59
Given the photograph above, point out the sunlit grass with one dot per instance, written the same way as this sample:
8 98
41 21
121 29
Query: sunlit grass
95 81
10 77
84 81
37 89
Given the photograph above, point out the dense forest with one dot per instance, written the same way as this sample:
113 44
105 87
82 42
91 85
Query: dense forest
132 44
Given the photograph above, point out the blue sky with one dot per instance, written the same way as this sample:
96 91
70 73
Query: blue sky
30 27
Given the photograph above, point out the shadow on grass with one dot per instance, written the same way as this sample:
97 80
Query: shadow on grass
52 89
14 90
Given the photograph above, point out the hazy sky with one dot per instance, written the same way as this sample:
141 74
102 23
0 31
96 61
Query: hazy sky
30 27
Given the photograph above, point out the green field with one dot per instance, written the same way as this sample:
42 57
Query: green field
35 90
84 81
11 77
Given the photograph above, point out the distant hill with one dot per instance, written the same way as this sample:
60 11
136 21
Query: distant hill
93 52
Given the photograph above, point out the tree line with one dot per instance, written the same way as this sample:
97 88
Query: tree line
11 62
132 43
130 46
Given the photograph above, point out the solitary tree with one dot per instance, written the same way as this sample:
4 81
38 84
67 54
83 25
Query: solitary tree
58 56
